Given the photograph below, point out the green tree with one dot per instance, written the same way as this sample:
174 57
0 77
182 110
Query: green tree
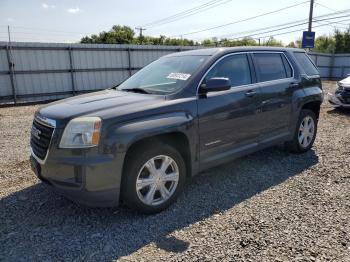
324 44
347 41
247 42
339 41
292 45
125 35
272 42
207 42
242 42
117 35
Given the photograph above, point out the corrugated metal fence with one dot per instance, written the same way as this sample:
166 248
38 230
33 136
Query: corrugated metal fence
332 66
31 72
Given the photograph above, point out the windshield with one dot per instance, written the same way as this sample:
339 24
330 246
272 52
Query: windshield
164 76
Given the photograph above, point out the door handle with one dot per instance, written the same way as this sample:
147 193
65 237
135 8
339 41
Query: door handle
250 93
293 85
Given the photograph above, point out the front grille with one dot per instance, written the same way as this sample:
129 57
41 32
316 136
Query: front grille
40 139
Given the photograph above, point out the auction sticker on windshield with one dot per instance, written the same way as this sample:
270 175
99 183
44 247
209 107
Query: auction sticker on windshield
179 76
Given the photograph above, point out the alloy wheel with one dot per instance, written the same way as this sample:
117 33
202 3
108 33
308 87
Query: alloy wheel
306 131
157 180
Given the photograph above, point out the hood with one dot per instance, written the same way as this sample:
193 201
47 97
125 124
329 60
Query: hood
97 104
345 82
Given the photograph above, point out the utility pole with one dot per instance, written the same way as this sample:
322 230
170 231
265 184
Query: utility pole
310 14
11 66
9 34
140 29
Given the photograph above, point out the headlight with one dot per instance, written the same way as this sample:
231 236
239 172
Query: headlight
81 132
339 87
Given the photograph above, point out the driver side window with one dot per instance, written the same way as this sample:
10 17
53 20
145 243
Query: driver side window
235 67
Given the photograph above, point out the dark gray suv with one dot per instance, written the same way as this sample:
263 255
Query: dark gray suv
138 142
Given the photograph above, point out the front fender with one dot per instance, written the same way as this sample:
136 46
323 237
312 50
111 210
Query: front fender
123 135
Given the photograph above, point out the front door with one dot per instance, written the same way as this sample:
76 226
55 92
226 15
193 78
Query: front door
229 120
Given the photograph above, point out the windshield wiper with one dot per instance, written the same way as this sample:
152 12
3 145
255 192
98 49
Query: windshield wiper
135 90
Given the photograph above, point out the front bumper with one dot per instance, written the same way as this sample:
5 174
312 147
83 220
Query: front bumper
335 101
88 179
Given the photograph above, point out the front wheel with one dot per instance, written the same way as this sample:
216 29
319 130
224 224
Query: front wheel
153 177
305 133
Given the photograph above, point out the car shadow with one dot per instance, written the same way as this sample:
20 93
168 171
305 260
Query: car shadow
38 224
339 111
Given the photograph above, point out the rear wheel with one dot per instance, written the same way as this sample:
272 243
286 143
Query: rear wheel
305 133
153 178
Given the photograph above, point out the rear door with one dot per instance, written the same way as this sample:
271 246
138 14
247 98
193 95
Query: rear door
276 79
228 119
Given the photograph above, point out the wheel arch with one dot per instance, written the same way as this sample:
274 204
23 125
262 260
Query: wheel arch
314 106
175 139
305 98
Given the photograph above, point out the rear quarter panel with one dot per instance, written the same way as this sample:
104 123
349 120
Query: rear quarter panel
310 90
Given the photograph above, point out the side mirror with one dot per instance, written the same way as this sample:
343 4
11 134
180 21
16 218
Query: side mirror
217 84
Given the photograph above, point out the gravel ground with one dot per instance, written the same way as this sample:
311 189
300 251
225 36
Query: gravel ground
269 206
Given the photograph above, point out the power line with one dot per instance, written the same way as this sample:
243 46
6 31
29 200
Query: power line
298 30
291 24
319 4
44 34
275 30
242 20
200 10
44 29
271 31
303 21
186 13
140 30
332 9
42 38
181 13
334 25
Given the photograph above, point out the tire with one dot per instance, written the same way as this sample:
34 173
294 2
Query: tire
140 171
295 145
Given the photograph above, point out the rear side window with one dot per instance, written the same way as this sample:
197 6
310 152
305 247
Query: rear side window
289 70
306 64
269 66
235 67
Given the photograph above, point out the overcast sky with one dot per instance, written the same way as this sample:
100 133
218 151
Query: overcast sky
68 21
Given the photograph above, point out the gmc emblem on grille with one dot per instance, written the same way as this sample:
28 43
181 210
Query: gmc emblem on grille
35 132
